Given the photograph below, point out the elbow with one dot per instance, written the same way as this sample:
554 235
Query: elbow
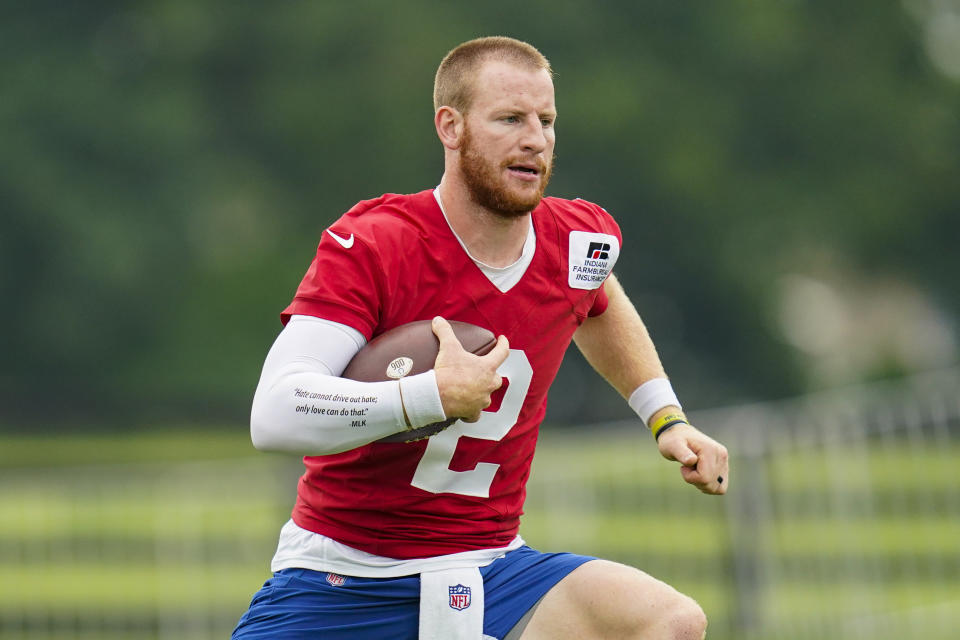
258 438
275 431
270 434
262 437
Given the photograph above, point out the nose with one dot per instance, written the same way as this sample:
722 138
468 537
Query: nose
534 138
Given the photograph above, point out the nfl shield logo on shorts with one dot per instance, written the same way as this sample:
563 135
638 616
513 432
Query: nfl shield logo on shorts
459 597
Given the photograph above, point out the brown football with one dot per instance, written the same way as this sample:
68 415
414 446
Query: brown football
408 350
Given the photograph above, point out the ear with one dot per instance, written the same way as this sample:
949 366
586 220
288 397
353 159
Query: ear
449 124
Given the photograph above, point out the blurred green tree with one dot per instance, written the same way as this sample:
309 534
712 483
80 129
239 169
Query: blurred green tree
168 166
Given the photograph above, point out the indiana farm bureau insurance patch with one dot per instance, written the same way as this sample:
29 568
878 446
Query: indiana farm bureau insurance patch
591 258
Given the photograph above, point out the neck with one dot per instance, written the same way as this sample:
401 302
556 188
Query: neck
491 237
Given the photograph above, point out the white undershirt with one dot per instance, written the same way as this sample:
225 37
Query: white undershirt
289 411
503 278
308 355
302 549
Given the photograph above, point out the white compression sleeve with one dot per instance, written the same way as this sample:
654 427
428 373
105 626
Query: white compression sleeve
301 406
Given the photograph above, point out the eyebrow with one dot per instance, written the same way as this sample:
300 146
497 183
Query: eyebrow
520 112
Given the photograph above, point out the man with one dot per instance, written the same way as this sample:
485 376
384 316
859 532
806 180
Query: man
420 539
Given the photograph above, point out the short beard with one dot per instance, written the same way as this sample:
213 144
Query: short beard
486 185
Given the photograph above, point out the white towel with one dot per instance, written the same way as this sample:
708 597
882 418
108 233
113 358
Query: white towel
451 604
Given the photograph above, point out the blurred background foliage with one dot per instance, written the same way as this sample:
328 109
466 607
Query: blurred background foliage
785 174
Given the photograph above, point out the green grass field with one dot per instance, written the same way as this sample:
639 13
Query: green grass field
158 535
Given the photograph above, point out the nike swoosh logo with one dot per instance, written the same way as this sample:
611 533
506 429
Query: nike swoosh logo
346 243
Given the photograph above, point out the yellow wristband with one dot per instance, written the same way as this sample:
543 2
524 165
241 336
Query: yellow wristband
664 422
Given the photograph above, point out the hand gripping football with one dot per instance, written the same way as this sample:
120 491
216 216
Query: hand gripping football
408 350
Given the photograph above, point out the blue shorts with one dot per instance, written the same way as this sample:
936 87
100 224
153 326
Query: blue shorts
300 603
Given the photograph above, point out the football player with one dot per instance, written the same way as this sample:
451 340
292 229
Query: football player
421 539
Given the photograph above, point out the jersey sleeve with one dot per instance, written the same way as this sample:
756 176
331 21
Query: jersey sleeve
606 224
599 303
343 284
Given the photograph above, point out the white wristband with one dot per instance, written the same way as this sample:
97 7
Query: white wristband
652 396
421 399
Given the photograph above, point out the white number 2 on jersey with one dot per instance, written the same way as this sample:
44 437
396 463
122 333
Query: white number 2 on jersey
434 473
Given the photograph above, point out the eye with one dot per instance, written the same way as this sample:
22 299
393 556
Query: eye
511 119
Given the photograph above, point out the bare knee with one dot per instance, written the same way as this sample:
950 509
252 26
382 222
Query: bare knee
667 614
684 619
657 610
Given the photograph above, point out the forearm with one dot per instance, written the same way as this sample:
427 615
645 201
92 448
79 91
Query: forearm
306 412
302 406
619 347
616 343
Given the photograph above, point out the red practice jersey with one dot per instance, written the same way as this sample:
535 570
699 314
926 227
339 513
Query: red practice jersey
394 260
